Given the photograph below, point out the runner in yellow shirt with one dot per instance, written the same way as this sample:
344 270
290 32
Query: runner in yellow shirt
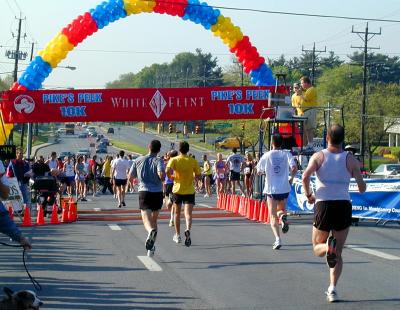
183 169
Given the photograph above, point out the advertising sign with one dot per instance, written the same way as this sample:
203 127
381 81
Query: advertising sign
146 104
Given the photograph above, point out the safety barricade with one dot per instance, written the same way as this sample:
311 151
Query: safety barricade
252 209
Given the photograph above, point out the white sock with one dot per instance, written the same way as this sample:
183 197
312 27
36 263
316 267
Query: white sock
278 239
331 288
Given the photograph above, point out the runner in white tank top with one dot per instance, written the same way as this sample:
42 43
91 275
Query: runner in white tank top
332 213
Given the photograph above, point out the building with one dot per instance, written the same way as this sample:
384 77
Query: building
393 130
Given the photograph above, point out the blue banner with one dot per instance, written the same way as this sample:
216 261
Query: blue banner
380 201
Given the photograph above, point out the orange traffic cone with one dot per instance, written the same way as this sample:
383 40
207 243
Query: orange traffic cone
262 212
54 216
236 205
256 212
11 211
27 217
72 214
40 216
64 216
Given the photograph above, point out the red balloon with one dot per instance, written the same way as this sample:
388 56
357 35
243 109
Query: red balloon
17 86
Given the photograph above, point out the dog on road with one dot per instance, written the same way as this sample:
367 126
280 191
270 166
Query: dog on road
22 300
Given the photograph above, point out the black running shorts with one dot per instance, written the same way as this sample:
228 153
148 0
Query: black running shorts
150 200
183 199
168 189
120 182
332 215
234 176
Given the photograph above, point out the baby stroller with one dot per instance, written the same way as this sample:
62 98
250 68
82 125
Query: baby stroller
46 191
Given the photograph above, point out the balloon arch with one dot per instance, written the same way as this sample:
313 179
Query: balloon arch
110 11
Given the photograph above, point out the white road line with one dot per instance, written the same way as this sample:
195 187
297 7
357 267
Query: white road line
204 205
114 227
97 209
149 263
373 252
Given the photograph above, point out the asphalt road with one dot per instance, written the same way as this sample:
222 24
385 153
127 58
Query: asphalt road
124 133
100 262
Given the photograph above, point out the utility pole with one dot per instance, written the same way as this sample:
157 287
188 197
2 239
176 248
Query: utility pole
29 138
314 56
367 36
16 55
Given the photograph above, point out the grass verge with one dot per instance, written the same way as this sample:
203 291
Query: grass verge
129 147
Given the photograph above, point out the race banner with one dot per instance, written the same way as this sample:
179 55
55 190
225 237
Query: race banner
145 104
380 201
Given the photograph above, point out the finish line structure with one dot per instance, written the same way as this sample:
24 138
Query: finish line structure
146 104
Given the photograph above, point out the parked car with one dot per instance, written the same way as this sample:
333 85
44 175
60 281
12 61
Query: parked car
83 135
105 141
93 134
110 130
219 139
99 137
101 149
230 143
65 154
83 152
61 130
386 171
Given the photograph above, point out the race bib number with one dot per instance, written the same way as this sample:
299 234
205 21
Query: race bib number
221 175
246 170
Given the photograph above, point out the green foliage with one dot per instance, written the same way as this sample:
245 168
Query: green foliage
381 68
186 70
129 147
5 83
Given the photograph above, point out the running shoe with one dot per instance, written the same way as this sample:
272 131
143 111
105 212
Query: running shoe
284 223
150 253
277 245
332 296
124 204
171 223
151 239
177 238
119 205
188 241
83 199
331 257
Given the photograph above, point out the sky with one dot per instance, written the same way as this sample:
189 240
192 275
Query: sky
137 41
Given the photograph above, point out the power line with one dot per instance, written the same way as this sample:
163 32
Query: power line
292 13
314 56
16 3
9 6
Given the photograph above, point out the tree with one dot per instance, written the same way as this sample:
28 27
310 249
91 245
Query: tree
186 69
6 83
381 68
233 73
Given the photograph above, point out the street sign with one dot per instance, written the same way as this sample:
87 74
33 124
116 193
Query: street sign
222 125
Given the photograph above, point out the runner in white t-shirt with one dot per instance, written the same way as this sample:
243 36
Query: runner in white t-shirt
277 164
119 170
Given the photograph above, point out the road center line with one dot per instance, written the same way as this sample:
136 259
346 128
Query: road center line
204 205
114 227
149 263
373 252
